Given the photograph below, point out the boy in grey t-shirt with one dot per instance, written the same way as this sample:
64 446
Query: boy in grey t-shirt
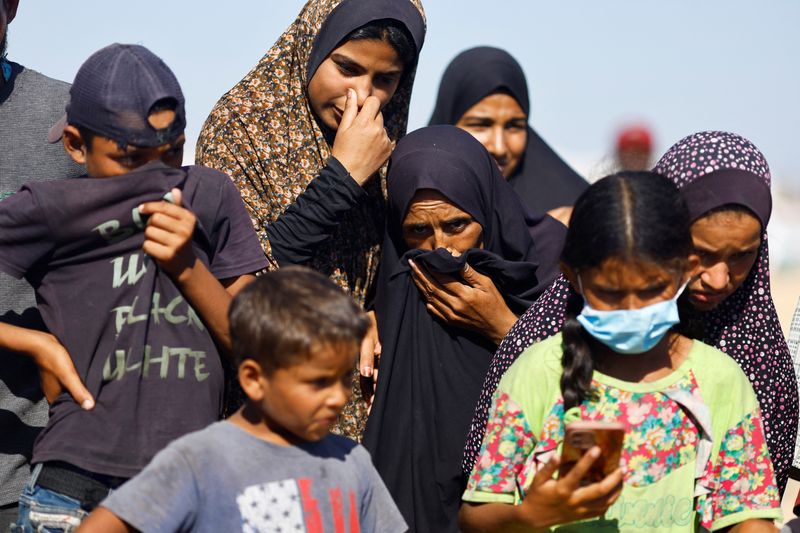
272 466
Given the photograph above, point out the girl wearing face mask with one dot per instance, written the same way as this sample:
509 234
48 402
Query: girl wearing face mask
694 454
306 135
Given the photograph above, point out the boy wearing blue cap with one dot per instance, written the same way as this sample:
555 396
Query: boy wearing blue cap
134 266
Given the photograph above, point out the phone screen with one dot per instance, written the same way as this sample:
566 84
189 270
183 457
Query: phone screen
580 437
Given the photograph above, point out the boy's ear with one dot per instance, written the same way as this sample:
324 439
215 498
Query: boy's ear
74 145
251 378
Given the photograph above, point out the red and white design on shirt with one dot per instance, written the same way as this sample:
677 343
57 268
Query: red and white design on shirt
289 506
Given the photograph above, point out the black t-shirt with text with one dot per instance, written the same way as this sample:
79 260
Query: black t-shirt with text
139 347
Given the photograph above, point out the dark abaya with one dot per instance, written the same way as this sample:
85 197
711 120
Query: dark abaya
542 179
431 373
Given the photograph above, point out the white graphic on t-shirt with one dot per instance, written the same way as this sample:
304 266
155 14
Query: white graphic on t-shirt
129 271
271 508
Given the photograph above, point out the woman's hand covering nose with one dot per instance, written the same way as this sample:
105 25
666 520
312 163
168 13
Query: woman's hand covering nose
362 145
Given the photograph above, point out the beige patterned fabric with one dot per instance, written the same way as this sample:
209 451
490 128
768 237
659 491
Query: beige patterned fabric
264 135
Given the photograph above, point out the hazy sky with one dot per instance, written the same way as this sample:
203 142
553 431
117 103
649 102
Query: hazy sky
678 65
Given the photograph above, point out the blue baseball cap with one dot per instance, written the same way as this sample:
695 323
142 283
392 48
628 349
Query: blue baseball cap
114 93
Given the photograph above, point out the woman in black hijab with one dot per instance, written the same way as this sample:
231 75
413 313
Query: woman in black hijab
543 180
431 372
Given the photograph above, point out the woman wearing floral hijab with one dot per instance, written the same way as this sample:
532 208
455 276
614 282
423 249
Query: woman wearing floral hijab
725 180
306 135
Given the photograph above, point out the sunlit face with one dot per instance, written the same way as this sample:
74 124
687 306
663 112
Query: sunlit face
370 67
304 400
499 123
432 222
726 243
626 284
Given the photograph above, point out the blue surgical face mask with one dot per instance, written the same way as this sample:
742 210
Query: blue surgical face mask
631 331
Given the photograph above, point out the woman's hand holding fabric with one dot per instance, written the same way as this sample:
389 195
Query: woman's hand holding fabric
362 145
472 302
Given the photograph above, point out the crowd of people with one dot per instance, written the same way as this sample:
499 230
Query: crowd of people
330 324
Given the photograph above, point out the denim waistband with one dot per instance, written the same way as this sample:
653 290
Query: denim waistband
86 487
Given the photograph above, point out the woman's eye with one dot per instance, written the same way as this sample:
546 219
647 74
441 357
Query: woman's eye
417 229
743 255
346 70
456 226
385 80
477 125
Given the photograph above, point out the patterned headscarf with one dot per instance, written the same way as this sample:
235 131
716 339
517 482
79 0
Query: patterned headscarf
263 132
745 325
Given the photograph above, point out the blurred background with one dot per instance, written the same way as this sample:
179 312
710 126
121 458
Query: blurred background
594 69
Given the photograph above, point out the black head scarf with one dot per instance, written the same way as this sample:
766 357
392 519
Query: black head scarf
431 373
542 179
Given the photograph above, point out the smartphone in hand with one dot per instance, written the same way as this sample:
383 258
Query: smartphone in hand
580 437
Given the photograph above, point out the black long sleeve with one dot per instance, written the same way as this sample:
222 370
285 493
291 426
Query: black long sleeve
312 218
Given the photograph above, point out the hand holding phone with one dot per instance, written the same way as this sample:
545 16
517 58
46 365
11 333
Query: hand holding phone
580 437
552 501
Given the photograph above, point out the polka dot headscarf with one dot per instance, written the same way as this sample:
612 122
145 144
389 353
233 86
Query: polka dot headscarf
745 325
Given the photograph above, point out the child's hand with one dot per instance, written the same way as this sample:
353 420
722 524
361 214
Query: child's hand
562 501
56 370
168 235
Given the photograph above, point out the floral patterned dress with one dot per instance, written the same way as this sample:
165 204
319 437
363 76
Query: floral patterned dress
694 455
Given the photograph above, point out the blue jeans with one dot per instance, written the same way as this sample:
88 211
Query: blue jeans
45 511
